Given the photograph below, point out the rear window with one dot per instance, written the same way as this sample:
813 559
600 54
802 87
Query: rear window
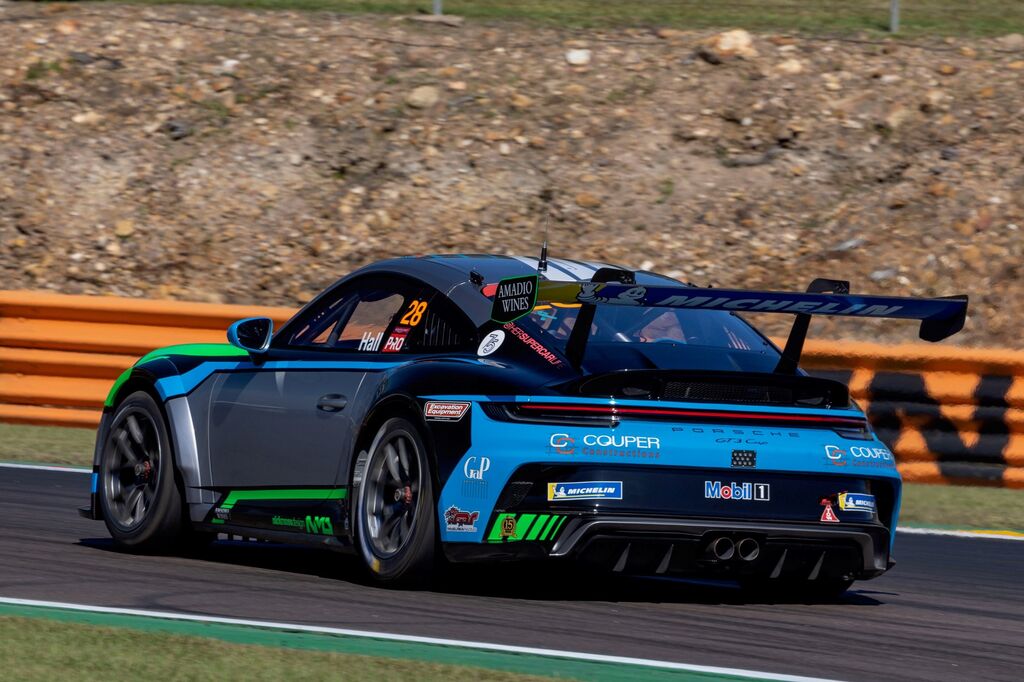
662 338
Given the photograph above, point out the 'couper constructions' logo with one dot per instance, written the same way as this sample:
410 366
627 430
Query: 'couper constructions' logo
605 445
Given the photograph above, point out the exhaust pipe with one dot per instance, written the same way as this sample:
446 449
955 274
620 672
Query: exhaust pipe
723 549
748 549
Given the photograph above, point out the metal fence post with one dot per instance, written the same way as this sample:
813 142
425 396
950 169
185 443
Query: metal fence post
894 16
438 10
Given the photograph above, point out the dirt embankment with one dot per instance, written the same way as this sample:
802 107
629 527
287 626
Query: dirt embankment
212 154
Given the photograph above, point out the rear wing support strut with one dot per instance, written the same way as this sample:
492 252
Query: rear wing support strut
790 359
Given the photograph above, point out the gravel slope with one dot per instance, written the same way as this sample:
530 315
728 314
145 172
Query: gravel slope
216 154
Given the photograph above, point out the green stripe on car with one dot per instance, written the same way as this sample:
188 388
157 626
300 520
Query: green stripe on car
203 350
318 494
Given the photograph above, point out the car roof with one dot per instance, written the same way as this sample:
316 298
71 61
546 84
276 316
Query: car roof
450 274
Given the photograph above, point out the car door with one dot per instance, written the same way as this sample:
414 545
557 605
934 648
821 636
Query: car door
291 422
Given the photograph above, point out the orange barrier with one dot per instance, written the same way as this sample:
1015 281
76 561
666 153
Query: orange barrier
951 415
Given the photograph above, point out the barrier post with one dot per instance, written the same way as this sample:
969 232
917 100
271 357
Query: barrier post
894 16
438 10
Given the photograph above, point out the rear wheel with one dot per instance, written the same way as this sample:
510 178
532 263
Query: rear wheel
396 525
139 498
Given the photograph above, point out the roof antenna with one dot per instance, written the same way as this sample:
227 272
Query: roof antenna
542 262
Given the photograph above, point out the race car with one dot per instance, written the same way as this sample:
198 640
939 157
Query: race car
459 408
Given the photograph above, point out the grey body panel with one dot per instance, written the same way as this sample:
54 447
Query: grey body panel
183 436
265 429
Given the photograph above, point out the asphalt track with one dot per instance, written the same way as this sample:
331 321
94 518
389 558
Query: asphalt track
951 609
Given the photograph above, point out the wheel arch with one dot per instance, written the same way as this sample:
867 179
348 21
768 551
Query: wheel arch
143 378
394 405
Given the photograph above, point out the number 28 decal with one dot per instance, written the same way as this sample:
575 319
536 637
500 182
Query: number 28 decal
414 313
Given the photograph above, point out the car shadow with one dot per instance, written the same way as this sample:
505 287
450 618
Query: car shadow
536 581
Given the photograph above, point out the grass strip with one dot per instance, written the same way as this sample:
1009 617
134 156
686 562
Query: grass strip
921 17
46 649
41 642
952 506
46 444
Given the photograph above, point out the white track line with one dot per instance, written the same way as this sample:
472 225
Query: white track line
985 534
503 648
46 467
911 530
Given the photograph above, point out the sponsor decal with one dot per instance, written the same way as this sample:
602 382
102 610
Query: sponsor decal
474 489
827 515
508 527
589 290
836 454
475 467
609 445
757 492
859 456
533 344
222 513
287 521
491 343
728 300
514 297
858 502
396 341
319 525
744 459
459 521
585 490
562 443
370 341
444 411
529 527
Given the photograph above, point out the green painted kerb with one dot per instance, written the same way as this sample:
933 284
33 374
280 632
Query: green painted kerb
527 664
203 350
316 494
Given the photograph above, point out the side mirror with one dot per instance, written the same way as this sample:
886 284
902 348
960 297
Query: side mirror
252 334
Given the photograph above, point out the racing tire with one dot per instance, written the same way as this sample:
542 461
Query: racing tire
138 495
395 521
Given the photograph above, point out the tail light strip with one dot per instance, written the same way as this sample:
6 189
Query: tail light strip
612 411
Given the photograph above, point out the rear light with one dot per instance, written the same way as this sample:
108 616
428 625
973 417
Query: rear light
610 415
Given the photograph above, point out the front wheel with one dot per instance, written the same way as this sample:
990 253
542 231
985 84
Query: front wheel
396 525
138 496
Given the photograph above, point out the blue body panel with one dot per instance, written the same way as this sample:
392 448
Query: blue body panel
707 447
183 384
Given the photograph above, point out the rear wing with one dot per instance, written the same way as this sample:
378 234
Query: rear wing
940 317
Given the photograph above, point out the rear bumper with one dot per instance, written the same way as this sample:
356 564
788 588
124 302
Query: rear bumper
657 546
683 547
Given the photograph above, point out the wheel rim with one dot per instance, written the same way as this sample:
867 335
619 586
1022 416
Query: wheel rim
131 467
392 485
